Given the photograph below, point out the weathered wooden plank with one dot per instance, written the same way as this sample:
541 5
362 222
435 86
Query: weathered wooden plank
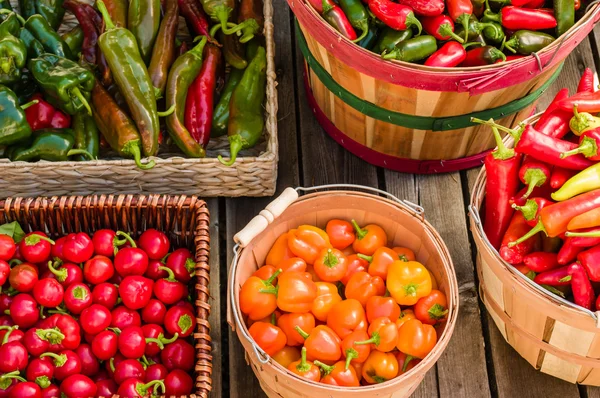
216 304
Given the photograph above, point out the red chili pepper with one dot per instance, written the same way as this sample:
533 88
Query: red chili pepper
180 321
541 261
583 293
530 4
426 8
61 331
589 142
560 176
195 17
396 16
441 27
555 277
169 290
531 209
541 192
568 252
586 84
43 115
586 102
502 167
516 18
517 228
590 259
586 241
335 16
555 121
460 11
480 56
533 173
84 13
199 102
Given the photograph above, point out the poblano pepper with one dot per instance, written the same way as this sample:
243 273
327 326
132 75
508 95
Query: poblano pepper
43 32
13 123
66 84
34 47
51 10
13 53
55 145
74 39
86 135
11 21
246 115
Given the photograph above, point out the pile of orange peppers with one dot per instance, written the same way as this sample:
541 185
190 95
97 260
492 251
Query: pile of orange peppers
338 306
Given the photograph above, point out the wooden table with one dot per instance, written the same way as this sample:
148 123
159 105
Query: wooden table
477 362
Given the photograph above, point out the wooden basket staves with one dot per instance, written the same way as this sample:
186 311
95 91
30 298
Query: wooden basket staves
253 174
554 335
185 220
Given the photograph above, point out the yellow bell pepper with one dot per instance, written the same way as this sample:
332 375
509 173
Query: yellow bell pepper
408 281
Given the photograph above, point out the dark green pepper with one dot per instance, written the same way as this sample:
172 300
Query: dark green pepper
65 83
5 5
11 22
233 51
43 32
74 39
390 38
493 33
414 49
13 124
526 42
143 20
371 38
221 112
357 15
51 10
490 30
13 53
86 136
564 12
25 87
246 114
34 47
55 145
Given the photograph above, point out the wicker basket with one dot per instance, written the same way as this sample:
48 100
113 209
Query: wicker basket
184 219
404 224
414 118
554 335
253 174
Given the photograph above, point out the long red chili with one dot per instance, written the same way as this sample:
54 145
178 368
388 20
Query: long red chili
583 293
586 102
441 27
449 55
568 252
555 121
585 241
556 277
541 261
586 84
590 259
195 16
534 173
542 192
502 168
560 176
517 18
336 17
396 16
460 11
90 30
518 227
426 8
199 102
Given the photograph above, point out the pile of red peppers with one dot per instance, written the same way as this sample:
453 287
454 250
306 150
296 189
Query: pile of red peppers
542 203
453 32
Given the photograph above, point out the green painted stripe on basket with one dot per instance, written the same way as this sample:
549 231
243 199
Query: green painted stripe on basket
412 121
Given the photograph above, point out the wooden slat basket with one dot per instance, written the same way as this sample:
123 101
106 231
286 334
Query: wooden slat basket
185 220
405 226
414 118
253 174
554 335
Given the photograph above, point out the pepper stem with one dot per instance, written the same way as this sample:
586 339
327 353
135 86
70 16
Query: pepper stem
83 152
360 233
170 273
249 30
235 146
592 234
587 147
81 98
375 339
156 341
326 368
509 45
502 152
301 332
538 228
133 148
34 239
464 21
411 20
7 334
303 367
14 261
30 103
445 30
109 25
364 28
351 354
368 259
536 178
149 385
272 278
529 209
164 340
406 362
330 259
61 274
167 112
129 239
111 364
515 133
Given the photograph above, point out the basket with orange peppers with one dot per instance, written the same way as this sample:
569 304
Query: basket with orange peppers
340 307
542 203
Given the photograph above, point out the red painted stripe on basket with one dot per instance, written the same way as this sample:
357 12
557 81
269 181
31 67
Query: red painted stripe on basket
475 82
369 155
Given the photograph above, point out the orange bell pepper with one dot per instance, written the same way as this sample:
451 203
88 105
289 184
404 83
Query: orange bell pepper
296 292
405 316
380 367
407 282
432 308
347 316
368 239
405 253
358 366
378 306
307 242
279 251
266 272
327 297
305 369
355 264
384 335
331 265
294 264
416 339
288 322
286 356
311 270
361 286
258 297
348 251
322 344
405 363
272 318
268 337
338 374
380 261
356 353
341 234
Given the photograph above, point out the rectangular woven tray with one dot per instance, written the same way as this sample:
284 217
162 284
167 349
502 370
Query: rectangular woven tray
185 220
253 174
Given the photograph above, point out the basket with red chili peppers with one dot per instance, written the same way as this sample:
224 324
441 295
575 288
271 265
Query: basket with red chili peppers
95 315
338 306
451 33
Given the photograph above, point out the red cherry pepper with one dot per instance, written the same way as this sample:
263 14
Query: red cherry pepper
396 16
586 84
154 312
44 116
154 243
531 209
442 28
199 101
105 294
36 247
182 263
77 298
24 310
180 321
178 383
155 331
7 247
178 355
61 331
460 11
78 248
57 249
130 260
51 391
426 8
136 291
12 353
105 345
104 242
156 371
517 18
480 56
76 386
48 292
133 388
26 389
534 173
95 319
40 371
66 363
123 317
132 342
4 272
90 365
169 290
23 277
67 274
153 271
127 369
583 292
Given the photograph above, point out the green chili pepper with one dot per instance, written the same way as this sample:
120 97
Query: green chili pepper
143 20
221 112
414 49
25 87
182 74
65 83
564 12
43 32
163 53
27 8
13 124
131 76
13 52
246 115
74 39
390 38
5 5
526 42
117 9
233 51
371 38
357 15
34 47
51 10
220 12
86 135
55 145
493 33
490 30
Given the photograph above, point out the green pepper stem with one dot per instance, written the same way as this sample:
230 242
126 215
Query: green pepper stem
34 239
509 44
301 332
167 112
83 152
411 20
164 340
156 341
249 29
539 227
368 259
170 273
325 368
536 178
303 367
406 362
7 335
111 364
61 274
81 98
529 210
109 25
133 148
502 152
491 123
360 233
351 354
153 383
445 30
15 261
375 339
272 278
391 55
364 28
588 147
30 103
593 234
128 238
464 21
565 279
235 146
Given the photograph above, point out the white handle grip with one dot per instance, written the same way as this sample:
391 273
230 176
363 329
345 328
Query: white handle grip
265 217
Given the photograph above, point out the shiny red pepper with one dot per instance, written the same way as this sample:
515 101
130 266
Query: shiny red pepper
425 8
560 176
555 121
517 228
555 277
517 18
199 101
394 15
590 259
195 17
43 115
586 102
441 27
589 142
541 261
583 293
568 252
531 209
481 56
449 55
586 84
460 11
586 241
534 173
